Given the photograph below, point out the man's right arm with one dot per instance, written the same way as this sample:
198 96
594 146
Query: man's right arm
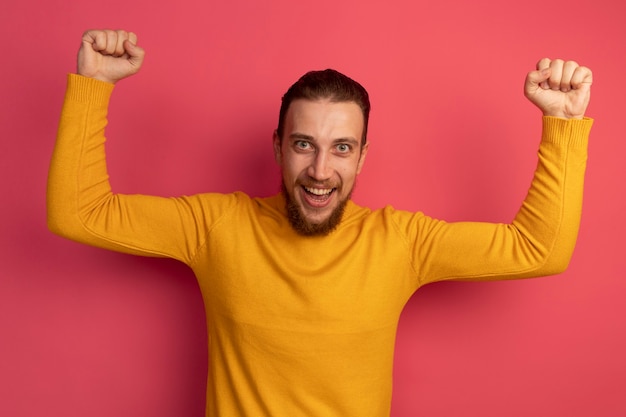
80 203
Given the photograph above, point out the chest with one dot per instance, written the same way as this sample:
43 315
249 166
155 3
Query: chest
354 282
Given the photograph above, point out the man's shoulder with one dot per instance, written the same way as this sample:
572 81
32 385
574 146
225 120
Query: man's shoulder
238 200
386 214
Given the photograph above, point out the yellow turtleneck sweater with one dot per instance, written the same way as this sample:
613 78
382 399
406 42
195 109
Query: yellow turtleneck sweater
305 326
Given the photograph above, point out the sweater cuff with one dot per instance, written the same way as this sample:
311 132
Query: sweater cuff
84 90
570 132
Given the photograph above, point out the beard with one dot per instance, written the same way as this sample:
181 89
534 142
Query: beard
304 227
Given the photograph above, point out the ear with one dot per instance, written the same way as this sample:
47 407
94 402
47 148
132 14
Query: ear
277 150
362 158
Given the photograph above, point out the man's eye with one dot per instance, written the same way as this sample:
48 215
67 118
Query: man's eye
343 148
301 144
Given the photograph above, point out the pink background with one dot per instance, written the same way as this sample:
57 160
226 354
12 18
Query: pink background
86 332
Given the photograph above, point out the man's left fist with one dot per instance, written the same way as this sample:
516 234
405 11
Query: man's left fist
559 88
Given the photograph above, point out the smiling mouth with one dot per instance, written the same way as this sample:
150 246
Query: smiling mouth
318 195
320 192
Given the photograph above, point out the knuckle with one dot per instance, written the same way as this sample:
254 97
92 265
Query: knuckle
571 66
543 63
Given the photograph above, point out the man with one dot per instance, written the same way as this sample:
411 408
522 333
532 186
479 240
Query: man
303 290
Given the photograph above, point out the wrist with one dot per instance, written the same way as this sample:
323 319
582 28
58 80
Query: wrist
563 115
98 77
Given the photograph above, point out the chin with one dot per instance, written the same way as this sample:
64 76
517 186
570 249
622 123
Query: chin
305 226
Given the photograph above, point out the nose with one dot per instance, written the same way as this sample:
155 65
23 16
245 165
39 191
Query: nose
320 168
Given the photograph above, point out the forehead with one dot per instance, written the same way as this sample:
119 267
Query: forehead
323 118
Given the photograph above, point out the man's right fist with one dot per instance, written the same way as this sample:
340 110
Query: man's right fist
109 55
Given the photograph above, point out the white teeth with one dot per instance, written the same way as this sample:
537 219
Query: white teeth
319 191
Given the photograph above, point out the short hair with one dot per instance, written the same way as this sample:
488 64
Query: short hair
326 84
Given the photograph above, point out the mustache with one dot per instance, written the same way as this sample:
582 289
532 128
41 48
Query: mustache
312 183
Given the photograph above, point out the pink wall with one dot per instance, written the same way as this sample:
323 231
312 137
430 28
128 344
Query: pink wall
90 333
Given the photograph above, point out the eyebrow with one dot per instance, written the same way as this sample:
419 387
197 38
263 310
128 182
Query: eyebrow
303 136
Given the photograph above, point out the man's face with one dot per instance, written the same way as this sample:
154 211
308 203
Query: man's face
320 156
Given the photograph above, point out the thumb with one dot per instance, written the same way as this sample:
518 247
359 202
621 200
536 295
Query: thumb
135 53
537 79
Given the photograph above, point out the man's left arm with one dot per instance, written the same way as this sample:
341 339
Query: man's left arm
541 239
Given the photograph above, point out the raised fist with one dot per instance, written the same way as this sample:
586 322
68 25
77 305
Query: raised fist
109 55
559 88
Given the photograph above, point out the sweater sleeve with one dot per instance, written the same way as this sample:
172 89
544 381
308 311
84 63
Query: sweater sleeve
540 240
82 207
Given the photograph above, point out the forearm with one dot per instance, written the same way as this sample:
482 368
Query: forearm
549 217
78 177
